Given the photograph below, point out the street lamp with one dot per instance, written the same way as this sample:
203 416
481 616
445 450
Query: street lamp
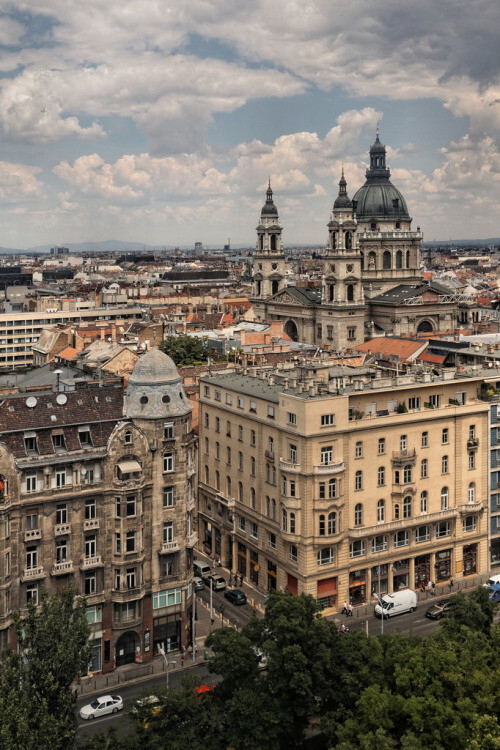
162 652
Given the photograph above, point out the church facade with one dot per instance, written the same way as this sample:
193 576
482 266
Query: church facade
372 279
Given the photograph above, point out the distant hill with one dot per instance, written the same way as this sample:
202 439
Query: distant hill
495 241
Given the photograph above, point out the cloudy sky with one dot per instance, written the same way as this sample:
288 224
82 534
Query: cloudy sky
160 122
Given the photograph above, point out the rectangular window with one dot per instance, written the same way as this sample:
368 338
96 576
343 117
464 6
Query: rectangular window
90 583
470 523
131 509
118 544
61 514
271 540
357 548
292 418
30 443
414 402
60 477
322 490
31 482
252 437
379 543
31 557
445 436
381 445
351 334
58 442
443 529
228 429
253 406
472 460
61 551
31 521
425 440
90 546
166 598
168 431
327 420
90 510
217 424
168 462
94 614
292 487
32 593
229 399
168 496
241 402
131 578
254 531
435 400
168 532
207 420
130 545
326 455
240 433
422 534
423 468
217 395
206 391
401 539
242 523
293 454
270 412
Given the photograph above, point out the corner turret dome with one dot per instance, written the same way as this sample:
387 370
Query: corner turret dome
154 389
378 198
342 200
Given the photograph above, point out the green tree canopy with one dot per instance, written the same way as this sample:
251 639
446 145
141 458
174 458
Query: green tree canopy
185 350
37 704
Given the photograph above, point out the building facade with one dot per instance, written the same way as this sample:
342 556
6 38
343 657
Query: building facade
97 490
338 487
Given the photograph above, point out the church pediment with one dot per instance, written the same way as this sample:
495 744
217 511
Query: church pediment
285 297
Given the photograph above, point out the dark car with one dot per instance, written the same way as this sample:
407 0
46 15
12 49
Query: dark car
438 610
236 596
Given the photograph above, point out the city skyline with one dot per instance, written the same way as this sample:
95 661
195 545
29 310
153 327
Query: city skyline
162 124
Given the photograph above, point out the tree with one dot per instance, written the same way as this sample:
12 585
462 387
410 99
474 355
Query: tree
184 350
475 611
37 704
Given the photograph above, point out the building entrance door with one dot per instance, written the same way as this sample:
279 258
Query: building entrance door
125 648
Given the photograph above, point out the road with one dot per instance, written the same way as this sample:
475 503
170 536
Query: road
130 693
238 615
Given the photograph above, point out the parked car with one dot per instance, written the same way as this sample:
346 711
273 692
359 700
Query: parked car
491 581
149 702
198 583
236 596
438 610
106 704
203 689
218 582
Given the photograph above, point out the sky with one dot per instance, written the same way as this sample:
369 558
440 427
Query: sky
160 122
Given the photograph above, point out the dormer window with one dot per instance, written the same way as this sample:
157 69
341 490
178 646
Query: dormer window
84 436
58 441
30 443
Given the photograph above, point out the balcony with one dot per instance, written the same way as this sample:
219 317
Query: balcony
289 466
334 467
404 523
29 574
32 535
62 529
190 504
404 457
91 562
228 502
169 547
473 443
62 568
269 455
191 539
127 595
469 508
91 523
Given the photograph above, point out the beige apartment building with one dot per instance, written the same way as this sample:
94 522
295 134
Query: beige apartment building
321 483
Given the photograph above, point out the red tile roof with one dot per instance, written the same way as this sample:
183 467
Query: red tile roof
403 348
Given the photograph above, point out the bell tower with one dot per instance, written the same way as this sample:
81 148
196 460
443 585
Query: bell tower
343 304
269 258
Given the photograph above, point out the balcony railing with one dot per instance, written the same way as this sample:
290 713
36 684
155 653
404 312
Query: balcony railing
289 466
471 507
407 455
169 546
91 562
473 443
62 567
332 468
62 528
269 454
91 523
30 573
32 535
403 523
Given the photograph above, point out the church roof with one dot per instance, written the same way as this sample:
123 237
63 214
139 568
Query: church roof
378 198
405 291
304 295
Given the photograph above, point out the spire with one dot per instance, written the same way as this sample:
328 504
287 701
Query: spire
343 199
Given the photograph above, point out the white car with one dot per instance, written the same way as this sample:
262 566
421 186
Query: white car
106 704
491 581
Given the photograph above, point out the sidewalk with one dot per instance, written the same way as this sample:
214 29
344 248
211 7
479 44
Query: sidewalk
253 594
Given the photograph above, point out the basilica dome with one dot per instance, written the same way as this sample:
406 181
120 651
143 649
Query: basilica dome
378 198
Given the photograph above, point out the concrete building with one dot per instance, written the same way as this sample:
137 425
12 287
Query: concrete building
97 489
317 481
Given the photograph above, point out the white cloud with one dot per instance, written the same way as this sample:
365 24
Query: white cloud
18 182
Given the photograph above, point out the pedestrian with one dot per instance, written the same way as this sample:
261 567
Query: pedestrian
429 587
433 589
350 610
219 562
214 561
345 611
451 584
422 586
241 580
254 610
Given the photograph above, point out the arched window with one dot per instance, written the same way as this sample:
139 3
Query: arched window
331 294
273 242
334 240
350 292
399 259
268 507
403 443
381 476
252 466
273 503
358 480
358 514
274 287
381 511
252 497
407 259
332 488
228 486
228 455
396 512
217 480
207 475
424 497
444 465
292 523
407 507
444 498
259 288
407 473
472 492
348 241
284 520
386 260
240 492
322 526
332 523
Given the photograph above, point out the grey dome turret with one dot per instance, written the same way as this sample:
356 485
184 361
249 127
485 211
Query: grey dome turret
269 209
154 390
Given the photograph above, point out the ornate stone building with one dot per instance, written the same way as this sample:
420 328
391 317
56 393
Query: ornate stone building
372 276
97 489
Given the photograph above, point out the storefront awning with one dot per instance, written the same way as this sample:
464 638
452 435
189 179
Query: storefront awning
128 467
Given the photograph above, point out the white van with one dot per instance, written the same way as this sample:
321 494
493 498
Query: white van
201 568
397 603
491 581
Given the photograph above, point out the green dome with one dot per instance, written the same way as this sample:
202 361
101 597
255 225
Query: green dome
378 198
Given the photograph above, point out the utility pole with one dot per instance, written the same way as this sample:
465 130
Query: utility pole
194 624
211 606
165 659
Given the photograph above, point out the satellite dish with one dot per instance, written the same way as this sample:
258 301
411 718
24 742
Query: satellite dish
31 402
61 398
